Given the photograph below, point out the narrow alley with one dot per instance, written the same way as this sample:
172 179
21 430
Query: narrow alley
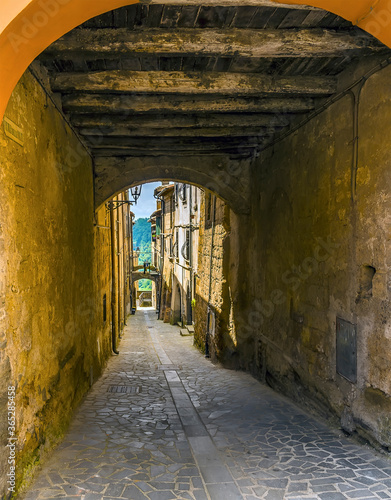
165 423
260 130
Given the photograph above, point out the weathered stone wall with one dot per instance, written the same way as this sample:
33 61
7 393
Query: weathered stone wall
309 251
55 269
212 287
167 223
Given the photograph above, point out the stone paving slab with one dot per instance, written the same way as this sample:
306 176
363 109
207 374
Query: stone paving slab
187 429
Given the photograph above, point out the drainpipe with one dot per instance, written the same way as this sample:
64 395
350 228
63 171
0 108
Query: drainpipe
131 260
124 220
114 312
119 317
207 353
191 254
161 259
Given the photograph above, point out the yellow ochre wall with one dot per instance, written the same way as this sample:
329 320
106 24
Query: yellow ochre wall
305 250
54 270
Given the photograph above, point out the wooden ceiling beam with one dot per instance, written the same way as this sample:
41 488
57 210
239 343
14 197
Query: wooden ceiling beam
130 104
193 83
238 151
124 132
150 122
173 143
115 43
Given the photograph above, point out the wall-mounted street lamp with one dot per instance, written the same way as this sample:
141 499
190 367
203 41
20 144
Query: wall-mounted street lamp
114 204
136 193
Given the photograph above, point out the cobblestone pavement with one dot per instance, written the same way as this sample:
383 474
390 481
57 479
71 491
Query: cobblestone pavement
164 423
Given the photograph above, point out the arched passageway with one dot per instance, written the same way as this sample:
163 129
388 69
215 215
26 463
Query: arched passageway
152 296
176 92
280 118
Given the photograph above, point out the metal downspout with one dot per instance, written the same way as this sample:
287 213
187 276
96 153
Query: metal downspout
124 220
207 352
114 312
119 314
131 261
191 253
162 250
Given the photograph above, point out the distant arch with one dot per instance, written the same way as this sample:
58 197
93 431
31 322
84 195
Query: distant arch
137 276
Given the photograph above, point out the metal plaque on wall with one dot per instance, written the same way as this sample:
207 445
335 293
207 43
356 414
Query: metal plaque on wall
347 350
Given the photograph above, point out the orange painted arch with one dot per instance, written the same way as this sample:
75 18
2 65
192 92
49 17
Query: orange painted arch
27 27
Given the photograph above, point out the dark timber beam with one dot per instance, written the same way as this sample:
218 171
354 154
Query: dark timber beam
111 44
129 104
88 133
137 122
237 152
174 143
193 83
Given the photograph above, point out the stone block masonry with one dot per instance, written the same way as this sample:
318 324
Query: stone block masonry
316 250
54 270
212 279
312 255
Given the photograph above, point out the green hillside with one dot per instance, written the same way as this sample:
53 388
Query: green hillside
142 240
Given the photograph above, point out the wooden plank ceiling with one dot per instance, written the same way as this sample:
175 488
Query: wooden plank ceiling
185 77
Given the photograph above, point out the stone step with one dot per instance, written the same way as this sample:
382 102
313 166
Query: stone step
190 329
185 332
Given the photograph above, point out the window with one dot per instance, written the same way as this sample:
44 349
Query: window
127 226
208 210
176 194
211 322
184 193
172 208
176 244
186 246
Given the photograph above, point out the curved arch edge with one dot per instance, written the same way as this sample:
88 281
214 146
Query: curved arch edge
213 175
38 24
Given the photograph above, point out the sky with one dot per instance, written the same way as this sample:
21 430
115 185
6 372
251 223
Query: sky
146 204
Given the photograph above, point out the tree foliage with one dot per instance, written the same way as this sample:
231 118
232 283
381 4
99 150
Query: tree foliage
142 240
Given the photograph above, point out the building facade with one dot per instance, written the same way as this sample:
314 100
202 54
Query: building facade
175 239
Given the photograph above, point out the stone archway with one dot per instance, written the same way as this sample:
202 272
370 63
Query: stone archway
28 27
153 277
217 174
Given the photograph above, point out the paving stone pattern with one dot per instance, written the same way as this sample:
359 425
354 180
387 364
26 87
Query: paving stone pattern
164 423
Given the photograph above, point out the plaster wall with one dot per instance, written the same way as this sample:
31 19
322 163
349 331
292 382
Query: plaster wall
319 223
186 218
55 269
